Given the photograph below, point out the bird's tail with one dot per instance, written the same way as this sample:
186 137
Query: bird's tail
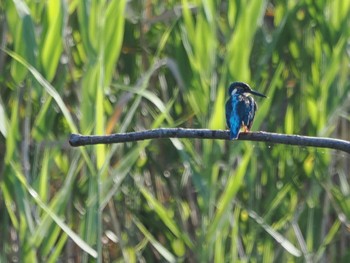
234 134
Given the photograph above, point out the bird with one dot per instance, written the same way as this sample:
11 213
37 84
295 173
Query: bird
240 108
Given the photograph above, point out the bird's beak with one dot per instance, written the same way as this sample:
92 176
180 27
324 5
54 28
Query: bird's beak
257 93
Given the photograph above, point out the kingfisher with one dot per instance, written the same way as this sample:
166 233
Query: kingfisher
240 108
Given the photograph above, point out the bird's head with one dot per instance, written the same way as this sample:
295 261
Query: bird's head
242 88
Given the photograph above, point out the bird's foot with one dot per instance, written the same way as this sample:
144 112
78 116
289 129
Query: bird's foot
245 129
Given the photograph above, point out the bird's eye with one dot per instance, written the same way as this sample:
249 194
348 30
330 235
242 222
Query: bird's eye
233 91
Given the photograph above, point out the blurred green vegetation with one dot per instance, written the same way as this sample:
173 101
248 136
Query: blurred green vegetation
100 67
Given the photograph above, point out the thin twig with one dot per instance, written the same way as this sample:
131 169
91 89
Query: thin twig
81 140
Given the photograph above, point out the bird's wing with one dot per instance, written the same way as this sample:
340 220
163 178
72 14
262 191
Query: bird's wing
232 117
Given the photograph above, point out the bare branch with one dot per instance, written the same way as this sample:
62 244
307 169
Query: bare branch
81 140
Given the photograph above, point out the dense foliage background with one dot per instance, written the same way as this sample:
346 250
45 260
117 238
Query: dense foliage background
107 66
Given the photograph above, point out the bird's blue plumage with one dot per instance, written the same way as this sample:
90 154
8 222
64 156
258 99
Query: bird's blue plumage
240 108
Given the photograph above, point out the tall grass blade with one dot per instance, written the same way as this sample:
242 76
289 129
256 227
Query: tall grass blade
81 243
